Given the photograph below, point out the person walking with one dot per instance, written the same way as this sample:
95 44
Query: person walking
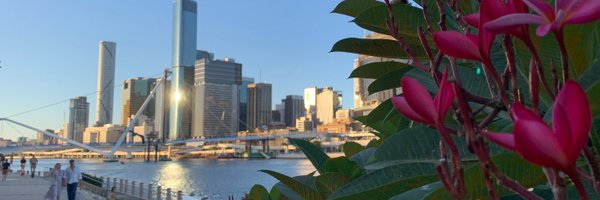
59 180
23 162
5 167
33 164
73 178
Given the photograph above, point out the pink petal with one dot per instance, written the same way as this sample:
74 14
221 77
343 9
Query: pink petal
418 99
456 45
505 23
541 8
573 100
543 30
472 19
539 145
519 112
505 140
564 4
518 6
494 9
584 12
445 96
403 108
561 128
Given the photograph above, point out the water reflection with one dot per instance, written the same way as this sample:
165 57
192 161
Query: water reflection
214 178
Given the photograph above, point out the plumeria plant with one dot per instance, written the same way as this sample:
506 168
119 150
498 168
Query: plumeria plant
494 99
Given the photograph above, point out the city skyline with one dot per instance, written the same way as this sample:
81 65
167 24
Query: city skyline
142 53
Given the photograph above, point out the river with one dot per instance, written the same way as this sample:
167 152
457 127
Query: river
215 179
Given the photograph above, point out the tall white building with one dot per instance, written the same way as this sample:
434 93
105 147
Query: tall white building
106 82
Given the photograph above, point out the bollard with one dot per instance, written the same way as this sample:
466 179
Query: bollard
159 193
168 193
121 184
114 183
149 191
126 184
141 189
108 183
133 188
179 195
39 173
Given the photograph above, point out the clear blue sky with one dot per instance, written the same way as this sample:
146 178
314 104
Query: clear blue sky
49 49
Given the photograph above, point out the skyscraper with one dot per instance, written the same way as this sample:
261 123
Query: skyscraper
259 105
106 82
216 97
244 102
79 110
135 92
183 59
294 109
328 102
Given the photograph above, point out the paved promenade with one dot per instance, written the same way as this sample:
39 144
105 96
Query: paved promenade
26 188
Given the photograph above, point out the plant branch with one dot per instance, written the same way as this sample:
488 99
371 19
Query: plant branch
563 54
511 65
391 24
592 161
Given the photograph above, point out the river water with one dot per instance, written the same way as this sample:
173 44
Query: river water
215 179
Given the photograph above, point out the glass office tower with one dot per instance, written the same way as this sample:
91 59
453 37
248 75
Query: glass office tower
184 57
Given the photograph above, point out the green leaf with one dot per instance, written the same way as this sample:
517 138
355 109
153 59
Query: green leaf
328 183
343 165
377 47
380 113
363 157
352 148
302 189
590 81
407 19
418 193
414 144
353 8
275 194
388 182
583 50
378 69
258 192
314 154
388 81
510 164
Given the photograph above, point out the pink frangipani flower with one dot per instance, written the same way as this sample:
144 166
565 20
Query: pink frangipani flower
557 147
550 19
416 103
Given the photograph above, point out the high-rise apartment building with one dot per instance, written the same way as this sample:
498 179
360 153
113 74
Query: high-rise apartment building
183 60
363 102
259 105
216 97
328 102
293 109
243 119
135 92
79 110
106 82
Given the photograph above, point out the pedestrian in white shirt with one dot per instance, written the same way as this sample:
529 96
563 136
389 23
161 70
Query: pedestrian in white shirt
73 178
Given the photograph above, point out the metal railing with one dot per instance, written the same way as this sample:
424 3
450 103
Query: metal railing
123 189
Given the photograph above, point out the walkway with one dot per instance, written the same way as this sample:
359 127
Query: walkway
26 188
